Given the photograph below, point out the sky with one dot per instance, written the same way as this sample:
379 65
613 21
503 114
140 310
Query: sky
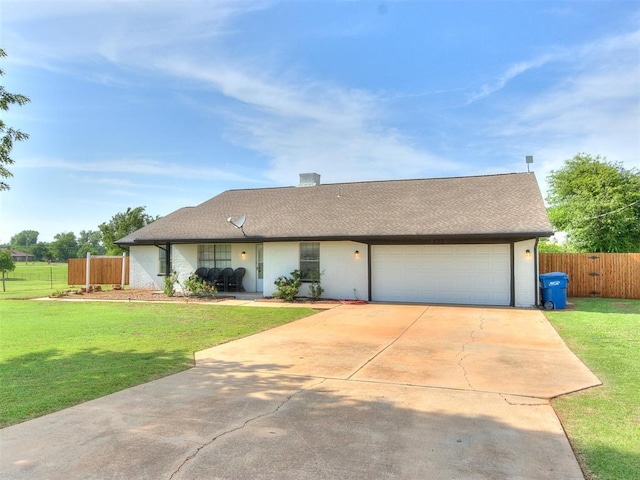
165 104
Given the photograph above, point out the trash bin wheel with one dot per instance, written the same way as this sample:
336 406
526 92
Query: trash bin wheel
548 305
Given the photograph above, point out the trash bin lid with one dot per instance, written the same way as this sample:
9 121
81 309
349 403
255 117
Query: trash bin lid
554 274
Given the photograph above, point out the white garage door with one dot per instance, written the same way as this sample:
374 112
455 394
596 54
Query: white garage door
462 274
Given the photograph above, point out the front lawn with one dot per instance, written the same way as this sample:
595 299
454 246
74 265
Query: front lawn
57 354
603 423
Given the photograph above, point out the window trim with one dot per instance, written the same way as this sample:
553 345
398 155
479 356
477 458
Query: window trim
162 261
301 249
215 251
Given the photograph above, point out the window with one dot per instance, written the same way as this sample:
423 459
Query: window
218 256
309 261
162 260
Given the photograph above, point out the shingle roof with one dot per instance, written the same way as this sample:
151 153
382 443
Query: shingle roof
508 205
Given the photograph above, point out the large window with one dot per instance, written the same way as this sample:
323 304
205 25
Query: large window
309 261
218 256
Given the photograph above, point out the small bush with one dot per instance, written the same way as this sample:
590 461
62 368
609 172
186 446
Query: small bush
170 284
315 289
287 288
198 287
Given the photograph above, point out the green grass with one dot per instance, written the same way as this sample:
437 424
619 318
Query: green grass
603 423
57 354
31 280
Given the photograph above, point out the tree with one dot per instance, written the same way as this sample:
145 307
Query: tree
8 135
545 246
121 225
64 246
597 203
6 265
90 241
22 240
41 252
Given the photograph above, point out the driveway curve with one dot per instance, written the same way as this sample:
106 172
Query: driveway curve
355 392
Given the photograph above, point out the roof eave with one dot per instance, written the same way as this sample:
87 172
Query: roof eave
372 239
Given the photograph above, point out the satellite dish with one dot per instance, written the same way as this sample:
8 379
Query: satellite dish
238 223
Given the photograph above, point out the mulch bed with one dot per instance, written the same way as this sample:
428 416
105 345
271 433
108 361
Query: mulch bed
159 296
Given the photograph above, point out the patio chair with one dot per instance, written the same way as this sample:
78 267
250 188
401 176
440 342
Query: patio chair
223 280
235 280
201 273
213 275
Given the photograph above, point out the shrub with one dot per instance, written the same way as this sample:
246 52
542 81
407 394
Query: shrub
315 290
170 284
287 288
198 287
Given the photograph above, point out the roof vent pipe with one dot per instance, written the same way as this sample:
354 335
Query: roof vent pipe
309 180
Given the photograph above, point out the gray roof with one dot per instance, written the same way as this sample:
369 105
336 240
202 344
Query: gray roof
490 206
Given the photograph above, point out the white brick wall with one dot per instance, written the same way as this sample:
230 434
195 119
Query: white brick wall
525 274
144 268
344 277
343 273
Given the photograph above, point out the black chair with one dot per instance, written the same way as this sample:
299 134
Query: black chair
213 275
201 273
222 283
235 280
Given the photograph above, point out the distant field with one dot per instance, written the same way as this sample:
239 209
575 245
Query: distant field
34 280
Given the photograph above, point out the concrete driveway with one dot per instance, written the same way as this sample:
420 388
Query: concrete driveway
355 392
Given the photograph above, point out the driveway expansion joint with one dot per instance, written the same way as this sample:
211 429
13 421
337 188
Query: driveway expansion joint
244 424
539 401
349 377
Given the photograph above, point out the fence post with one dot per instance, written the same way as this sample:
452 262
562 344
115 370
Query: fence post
88 270
124 264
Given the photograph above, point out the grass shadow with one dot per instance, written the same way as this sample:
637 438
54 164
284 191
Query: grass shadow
76 377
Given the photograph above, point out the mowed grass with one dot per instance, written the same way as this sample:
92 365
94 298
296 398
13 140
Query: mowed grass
31 280
57 354
603 423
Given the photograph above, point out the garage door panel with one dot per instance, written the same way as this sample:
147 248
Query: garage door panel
465 274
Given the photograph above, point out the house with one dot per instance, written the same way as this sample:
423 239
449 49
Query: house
19 256
463 240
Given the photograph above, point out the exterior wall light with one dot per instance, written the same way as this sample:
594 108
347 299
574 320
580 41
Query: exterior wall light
243 254
356 254
527 253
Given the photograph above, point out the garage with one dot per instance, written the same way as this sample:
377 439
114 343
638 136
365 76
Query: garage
459 274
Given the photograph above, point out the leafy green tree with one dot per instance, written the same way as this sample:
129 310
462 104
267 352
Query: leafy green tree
90 241
597 203
64 246
41 252
8 135
545 246
121 225
6 265
24 240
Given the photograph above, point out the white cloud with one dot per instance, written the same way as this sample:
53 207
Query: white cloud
512 72
147 168
594 107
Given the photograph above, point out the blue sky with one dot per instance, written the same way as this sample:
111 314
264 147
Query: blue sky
166 104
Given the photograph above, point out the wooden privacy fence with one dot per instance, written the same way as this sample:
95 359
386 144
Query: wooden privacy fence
608 275
103 271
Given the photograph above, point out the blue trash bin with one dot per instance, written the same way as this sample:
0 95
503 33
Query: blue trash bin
553 287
